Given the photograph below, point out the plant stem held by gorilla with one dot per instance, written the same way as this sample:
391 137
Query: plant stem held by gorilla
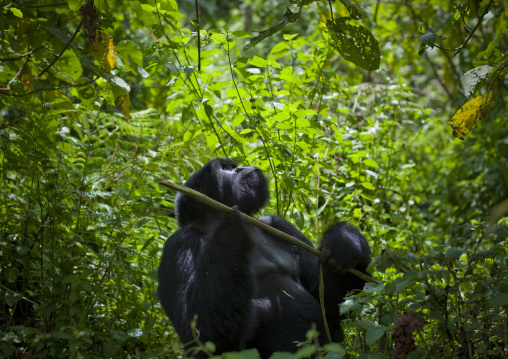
223 208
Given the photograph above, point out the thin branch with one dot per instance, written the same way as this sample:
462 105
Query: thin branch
223 208
57 57
39 6
475 28
8 88
198 26
5 59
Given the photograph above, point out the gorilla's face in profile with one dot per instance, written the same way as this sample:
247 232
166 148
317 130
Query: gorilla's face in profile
226 182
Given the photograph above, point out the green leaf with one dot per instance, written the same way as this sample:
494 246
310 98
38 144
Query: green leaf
472 80
368 185
281 116
370 288
69 65
16 12
355 11
74 5
354 43
219 39
370 163
129 49
499 300
241 34
258 61
373 334
428 39
141 222
110 348
281 46
454 253
120 87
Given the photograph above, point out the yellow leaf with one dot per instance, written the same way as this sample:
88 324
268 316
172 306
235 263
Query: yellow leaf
468 115
104 52
124 103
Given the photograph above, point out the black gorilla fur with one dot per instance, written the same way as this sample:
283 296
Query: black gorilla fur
249 288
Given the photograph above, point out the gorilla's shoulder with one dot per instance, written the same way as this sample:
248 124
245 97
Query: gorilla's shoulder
186 236
282 225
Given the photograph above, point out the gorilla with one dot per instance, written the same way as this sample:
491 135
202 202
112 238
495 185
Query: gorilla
249 288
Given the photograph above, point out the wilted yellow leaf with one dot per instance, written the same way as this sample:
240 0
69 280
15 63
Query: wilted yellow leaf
104 52
468 115
124 103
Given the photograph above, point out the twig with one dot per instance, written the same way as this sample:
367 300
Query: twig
57 57
199 34
223 208
5 59
8 88
475 28
39 6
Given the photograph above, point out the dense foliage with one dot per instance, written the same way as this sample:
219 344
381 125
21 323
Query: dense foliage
101 98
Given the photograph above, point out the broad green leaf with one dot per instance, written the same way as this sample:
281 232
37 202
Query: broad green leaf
472 80
168 5
428 39
258 61
241 34
16 12
354 43
129 49
218 39
454 253
373 334
281 46
368 185
284 126
370 163
69 65
75 4
499 300
355 11
281 116
119 84
287 74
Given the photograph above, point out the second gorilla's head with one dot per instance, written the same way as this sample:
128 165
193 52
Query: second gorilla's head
226 182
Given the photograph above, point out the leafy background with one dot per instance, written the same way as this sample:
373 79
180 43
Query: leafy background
100 99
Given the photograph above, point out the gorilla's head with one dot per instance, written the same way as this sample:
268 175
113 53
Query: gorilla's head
226 182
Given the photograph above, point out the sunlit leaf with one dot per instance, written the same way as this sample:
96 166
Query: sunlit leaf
467 116
218 39
472 80
368 185
105 53
16 12
370 163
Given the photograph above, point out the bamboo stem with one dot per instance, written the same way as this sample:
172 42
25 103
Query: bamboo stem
223 208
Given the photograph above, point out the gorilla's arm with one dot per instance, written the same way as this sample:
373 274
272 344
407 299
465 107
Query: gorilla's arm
209 276
307 263
350 250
